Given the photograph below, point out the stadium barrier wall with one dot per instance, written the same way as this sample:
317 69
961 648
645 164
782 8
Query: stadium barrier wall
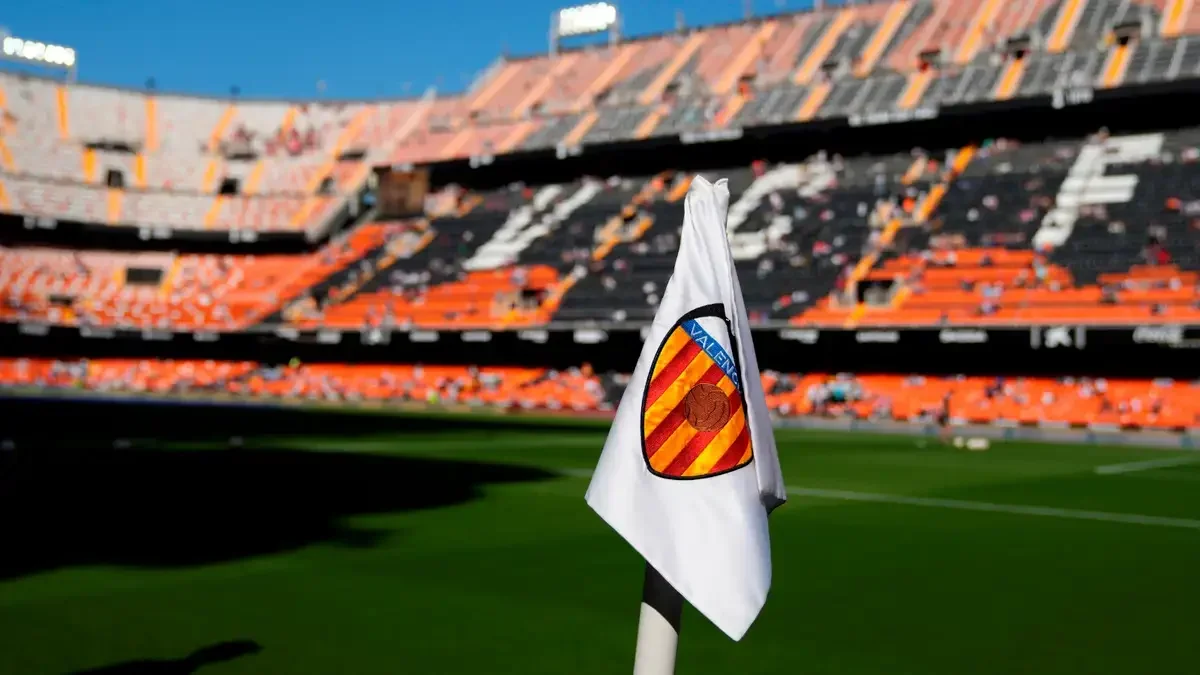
32 230
1167 351
42 230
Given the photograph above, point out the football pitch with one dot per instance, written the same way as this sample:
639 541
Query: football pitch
463 545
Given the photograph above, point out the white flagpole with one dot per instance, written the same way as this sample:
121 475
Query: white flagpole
658 627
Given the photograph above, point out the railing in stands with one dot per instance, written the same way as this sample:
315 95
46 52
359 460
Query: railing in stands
1174 17
150 135
738 65
115 199
812 63
914 90
64 120
624 55
581 128
884 34
1064 26
1115 66
562 64
982 21
1010 79
659 84
813 102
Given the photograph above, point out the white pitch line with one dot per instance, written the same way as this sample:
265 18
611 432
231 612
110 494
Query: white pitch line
1130 467
965 505
1018 509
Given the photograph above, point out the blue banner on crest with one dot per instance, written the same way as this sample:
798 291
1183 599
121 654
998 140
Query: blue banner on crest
710 346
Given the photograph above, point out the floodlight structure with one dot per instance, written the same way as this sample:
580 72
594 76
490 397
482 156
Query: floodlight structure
597 17
23 50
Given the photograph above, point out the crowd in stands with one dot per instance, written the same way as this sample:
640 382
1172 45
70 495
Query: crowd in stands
1093 402
1012 239
979 236
1076 402
159 291
577 389
290 141
166 290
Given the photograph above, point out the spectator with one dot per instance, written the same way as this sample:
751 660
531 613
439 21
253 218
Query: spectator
1155 254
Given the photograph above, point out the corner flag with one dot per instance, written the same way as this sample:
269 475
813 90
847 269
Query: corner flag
689 471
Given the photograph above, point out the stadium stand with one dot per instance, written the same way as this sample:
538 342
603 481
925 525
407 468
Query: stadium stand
116 375
1007 232
996 234
167 290
863 59
1055 232
1097 403
970 231
100 155
506 257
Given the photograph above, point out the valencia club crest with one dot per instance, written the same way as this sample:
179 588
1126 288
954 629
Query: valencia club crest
693 411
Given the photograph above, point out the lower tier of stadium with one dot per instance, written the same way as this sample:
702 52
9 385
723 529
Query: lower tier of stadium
1099 403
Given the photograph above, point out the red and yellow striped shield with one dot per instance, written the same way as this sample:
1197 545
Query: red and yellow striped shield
693 414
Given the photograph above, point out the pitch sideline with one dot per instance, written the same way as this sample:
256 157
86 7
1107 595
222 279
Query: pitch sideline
1130 467
967 505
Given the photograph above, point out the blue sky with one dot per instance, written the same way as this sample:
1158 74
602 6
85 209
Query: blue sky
359 48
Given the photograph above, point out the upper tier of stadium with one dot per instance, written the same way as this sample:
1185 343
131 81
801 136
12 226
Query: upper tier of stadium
1096 230
123 157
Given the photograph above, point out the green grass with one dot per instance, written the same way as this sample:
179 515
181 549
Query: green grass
521 577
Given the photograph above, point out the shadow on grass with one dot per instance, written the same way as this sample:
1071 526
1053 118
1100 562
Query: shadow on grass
59 419
81 505
205 656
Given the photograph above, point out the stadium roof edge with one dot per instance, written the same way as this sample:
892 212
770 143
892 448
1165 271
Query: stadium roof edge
827 7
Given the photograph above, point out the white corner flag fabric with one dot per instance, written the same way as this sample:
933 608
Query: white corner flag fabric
689 471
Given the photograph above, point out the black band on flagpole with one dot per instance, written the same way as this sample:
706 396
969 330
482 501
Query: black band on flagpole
660 595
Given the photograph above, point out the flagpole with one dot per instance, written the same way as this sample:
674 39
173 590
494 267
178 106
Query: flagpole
658 627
